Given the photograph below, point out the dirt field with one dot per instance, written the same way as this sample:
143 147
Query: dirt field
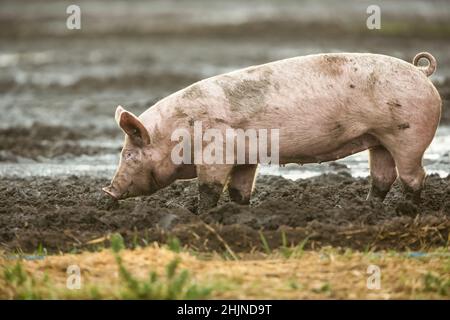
65 214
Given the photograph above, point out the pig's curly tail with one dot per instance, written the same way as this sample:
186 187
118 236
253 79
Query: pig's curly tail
430 68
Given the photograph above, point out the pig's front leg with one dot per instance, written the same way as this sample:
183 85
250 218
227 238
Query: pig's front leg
211 182
242 179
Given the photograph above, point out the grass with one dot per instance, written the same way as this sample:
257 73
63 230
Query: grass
287 251
265 243
174 286
17 282
23 286
292 251
41 251
169 272
436 283
174 244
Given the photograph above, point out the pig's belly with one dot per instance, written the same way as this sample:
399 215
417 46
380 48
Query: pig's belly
316 154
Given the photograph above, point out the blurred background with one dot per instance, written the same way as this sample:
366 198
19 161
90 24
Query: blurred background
59 87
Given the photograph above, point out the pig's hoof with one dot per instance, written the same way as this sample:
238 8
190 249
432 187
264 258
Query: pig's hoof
376 194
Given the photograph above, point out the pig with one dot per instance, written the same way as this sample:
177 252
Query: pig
326 107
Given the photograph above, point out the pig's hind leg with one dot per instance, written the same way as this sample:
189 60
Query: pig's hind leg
382 172
411 173
241 183
407 149
412 130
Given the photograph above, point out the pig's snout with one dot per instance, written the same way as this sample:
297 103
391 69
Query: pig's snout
112 192
120 187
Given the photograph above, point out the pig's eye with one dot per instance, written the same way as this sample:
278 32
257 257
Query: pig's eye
128 155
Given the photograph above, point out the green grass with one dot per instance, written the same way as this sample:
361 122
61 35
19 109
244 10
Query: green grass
264 242
23 285
436 283
175 285
174 244
294 252
41 251
324 288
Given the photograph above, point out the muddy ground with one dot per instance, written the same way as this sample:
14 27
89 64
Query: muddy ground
59 143
66 214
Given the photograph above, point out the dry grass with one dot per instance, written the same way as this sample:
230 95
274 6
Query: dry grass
311 275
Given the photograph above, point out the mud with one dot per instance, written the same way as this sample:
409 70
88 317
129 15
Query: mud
40 142
67 214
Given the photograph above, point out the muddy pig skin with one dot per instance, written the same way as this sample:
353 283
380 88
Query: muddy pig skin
326 107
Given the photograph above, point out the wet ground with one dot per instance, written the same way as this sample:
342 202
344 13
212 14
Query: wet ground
59 143
69 213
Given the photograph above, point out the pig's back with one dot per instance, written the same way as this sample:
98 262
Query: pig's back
311 88
350 91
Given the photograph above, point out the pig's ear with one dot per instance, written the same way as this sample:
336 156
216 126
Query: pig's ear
119 110
132 126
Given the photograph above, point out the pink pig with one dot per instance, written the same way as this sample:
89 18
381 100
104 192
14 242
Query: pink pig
326 107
